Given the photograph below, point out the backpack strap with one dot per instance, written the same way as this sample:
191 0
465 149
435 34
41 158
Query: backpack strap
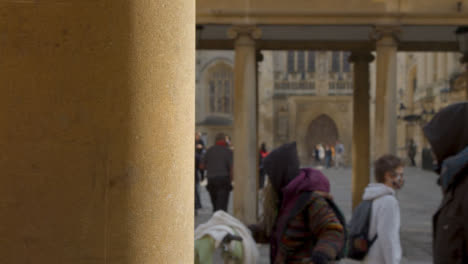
341 218
373 240
368 223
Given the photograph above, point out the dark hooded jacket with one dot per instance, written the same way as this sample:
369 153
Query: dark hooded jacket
448 135
300 192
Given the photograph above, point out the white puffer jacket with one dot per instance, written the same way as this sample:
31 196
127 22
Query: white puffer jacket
385 222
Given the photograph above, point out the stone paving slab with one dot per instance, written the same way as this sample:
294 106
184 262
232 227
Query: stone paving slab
419 199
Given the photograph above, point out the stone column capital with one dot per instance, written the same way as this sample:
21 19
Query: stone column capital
245 34
386 35
361 56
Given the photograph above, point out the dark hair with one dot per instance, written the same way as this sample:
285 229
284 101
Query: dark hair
386 163
220 136
263 147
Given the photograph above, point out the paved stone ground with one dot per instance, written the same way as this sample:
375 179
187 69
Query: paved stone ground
419 199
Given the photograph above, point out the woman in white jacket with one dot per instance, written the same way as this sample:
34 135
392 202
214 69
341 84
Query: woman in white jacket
385 218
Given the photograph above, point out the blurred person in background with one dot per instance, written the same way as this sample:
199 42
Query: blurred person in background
218 164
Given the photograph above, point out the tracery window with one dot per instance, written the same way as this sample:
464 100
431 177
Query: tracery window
298 60
340 82
335 61
346 64
220 83
291 62
301 61
311 61
340 62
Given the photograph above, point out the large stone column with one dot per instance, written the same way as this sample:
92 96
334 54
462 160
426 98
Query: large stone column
245 123
265 91
361 124
96 131
385 99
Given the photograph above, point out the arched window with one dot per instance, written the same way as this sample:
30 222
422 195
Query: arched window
220 83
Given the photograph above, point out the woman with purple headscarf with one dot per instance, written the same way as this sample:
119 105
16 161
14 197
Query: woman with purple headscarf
300 218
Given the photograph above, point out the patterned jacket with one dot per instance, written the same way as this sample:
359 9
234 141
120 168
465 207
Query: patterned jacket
314 234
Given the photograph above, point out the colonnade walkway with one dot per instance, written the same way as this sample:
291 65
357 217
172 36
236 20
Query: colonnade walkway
419 199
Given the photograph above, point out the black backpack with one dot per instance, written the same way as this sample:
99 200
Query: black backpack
358 231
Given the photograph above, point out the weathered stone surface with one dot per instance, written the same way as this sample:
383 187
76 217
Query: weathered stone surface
97 121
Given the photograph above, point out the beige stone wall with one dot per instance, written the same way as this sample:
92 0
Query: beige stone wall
433 71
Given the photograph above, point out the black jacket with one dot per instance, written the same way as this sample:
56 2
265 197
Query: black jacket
448 135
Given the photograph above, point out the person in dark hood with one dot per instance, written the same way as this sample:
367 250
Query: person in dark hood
300 218
412 149
447 133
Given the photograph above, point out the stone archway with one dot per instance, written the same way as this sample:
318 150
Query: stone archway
322 130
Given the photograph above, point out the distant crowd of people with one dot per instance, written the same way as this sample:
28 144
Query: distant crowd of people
329 155
303 224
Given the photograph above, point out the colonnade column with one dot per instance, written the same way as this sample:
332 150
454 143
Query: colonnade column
97 128
361 124
386 90
245 123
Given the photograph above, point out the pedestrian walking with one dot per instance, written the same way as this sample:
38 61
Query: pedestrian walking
300 218
321 151
218 164
384 225
328 156
199 149
447 133
262 155
198 204
339 150
317 154
412 152
333 154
